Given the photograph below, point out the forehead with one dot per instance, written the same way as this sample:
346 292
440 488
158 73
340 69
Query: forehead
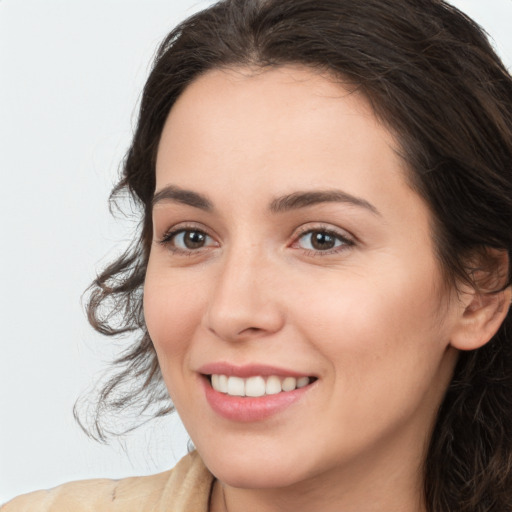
262 87
260 91
250 118
270 106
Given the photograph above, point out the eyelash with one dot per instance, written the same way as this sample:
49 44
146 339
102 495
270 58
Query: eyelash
346 242
170 235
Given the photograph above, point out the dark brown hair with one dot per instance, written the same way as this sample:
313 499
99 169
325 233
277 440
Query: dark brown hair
434 80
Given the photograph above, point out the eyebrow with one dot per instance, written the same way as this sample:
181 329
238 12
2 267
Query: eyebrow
178 195
281 204
310 198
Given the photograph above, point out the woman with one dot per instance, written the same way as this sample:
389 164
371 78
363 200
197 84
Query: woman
322 279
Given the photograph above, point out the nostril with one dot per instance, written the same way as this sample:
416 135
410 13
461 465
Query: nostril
251 330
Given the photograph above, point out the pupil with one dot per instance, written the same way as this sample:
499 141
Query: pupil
322 241
194 239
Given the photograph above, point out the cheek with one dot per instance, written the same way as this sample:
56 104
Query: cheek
172 311
372 326
386 352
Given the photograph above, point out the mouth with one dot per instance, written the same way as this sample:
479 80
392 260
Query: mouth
256 386
253 393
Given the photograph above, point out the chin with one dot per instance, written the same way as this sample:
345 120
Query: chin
255 477
254 471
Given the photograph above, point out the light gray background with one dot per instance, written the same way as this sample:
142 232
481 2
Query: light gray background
71 72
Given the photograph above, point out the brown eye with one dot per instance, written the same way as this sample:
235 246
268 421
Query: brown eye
321 241
190 239
194 239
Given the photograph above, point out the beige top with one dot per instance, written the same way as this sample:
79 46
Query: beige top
185 488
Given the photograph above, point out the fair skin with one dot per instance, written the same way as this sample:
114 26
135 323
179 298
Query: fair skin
342 287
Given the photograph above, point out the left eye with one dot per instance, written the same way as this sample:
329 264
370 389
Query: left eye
321 240
190 239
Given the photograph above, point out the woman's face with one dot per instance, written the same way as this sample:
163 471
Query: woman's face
291 258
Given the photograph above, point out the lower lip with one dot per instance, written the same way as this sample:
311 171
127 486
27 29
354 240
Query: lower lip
249 409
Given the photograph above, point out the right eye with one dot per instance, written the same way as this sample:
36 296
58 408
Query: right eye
187 240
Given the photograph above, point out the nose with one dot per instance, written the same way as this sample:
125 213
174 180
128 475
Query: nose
244 301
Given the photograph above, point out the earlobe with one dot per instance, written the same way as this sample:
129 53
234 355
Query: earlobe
481 317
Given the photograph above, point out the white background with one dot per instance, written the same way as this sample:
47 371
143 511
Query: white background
71 72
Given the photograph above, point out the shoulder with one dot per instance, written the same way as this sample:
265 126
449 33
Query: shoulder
187 485
93 495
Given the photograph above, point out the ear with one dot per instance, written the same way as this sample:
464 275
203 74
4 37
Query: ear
483 310
481 319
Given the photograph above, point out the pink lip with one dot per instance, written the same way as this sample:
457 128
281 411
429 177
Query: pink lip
249 409
246 371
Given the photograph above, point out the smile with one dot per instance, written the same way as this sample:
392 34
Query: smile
256 386
255 392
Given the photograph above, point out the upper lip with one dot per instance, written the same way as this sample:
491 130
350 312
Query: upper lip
248 370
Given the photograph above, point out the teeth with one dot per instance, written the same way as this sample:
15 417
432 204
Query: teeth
223 384
273 386
303 381
289 384
256 386
236 386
